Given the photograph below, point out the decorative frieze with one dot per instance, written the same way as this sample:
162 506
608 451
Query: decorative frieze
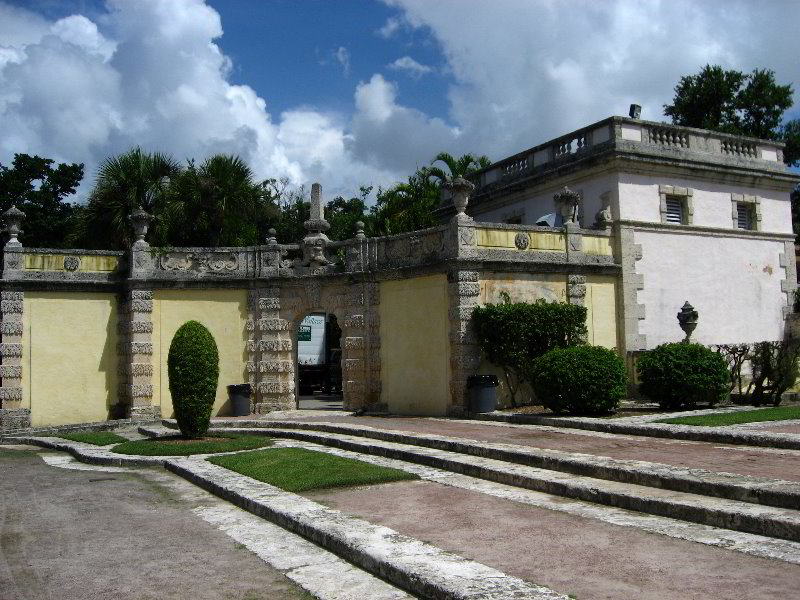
273 325
141 390
10 350
276 366
275 345
10 394
141 306
11 328
11 307
141 348
354 343
11 371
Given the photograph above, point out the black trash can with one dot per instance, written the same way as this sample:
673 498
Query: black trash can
482 393
239 395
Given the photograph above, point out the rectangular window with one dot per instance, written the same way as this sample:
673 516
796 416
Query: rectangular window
674 211
743 216
517 220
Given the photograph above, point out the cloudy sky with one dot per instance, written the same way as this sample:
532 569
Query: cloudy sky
355 92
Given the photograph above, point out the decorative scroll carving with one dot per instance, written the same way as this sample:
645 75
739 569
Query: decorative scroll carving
199 261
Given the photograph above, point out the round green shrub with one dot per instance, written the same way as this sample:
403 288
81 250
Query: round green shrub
581 379
193 367
677 375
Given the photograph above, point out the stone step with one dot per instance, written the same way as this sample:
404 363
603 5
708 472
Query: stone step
746 517
743 488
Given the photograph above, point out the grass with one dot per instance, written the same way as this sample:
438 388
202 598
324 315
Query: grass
777 413
178 446
300 470
98 438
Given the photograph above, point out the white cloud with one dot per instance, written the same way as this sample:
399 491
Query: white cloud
389 28
150 73
342 56
153 76
410 66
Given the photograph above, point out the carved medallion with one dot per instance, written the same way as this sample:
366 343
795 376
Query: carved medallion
467 236
71 263
522 241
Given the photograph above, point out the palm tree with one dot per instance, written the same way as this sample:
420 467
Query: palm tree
407 206
460 167
135 179
218 203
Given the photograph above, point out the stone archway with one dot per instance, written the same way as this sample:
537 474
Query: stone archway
273 344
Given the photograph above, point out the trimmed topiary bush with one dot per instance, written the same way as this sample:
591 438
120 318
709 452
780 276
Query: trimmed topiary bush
583 379
676 375
512 335
193 367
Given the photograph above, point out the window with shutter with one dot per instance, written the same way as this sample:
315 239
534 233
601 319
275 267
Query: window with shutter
743 220
674 211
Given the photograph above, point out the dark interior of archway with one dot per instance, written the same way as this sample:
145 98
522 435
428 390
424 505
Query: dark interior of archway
320 385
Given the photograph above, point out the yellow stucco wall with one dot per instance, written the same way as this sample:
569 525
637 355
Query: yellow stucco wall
89 263
415 345
504 238
598 245
69 357
601 306
224 313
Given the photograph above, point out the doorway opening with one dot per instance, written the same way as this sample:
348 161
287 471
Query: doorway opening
319 363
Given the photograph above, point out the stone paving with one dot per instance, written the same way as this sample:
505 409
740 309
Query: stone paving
781 464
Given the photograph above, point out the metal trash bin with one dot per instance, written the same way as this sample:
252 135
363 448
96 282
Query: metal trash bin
482 393
239 395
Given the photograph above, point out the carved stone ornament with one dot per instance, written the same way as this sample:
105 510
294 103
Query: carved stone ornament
460 188
199 261
467 236
71 263
567 202
13 219
141 222
522 241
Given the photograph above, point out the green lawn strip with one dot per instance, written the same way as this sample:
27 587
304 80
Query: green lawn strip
299 470
177 446
777 413
98 438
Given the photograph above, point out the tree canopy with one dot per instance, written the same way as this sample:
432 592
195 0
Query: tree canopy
38 187
729 101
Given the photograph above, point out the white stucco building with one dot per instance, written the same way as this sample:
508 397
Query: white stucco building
696 215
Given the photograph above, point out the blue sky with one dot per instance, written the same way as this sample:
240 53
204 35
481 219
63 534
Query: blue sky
354 92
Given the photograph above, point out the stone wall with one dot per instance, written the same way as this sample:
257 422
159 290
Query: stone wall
282 283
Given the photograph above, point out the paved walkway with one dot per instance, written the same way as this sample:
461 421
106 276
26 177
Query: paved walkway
84 532
742 460
583 557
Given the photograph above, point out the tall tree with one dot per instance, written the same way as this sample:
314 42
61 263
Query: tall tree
733 102
456 167
343 214
406 206
135 179
218 204
38 187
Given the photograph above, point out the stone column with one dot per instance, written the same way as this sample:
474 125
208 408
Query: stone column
632 282
576 289
357 353
12 415
271 348
139 345
465 355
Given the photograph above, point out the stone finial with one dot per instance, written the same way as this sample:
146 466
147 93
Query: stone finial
271 236
316 224
687 319
567 202
603 218
141 223
460 188
359 228
13 217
